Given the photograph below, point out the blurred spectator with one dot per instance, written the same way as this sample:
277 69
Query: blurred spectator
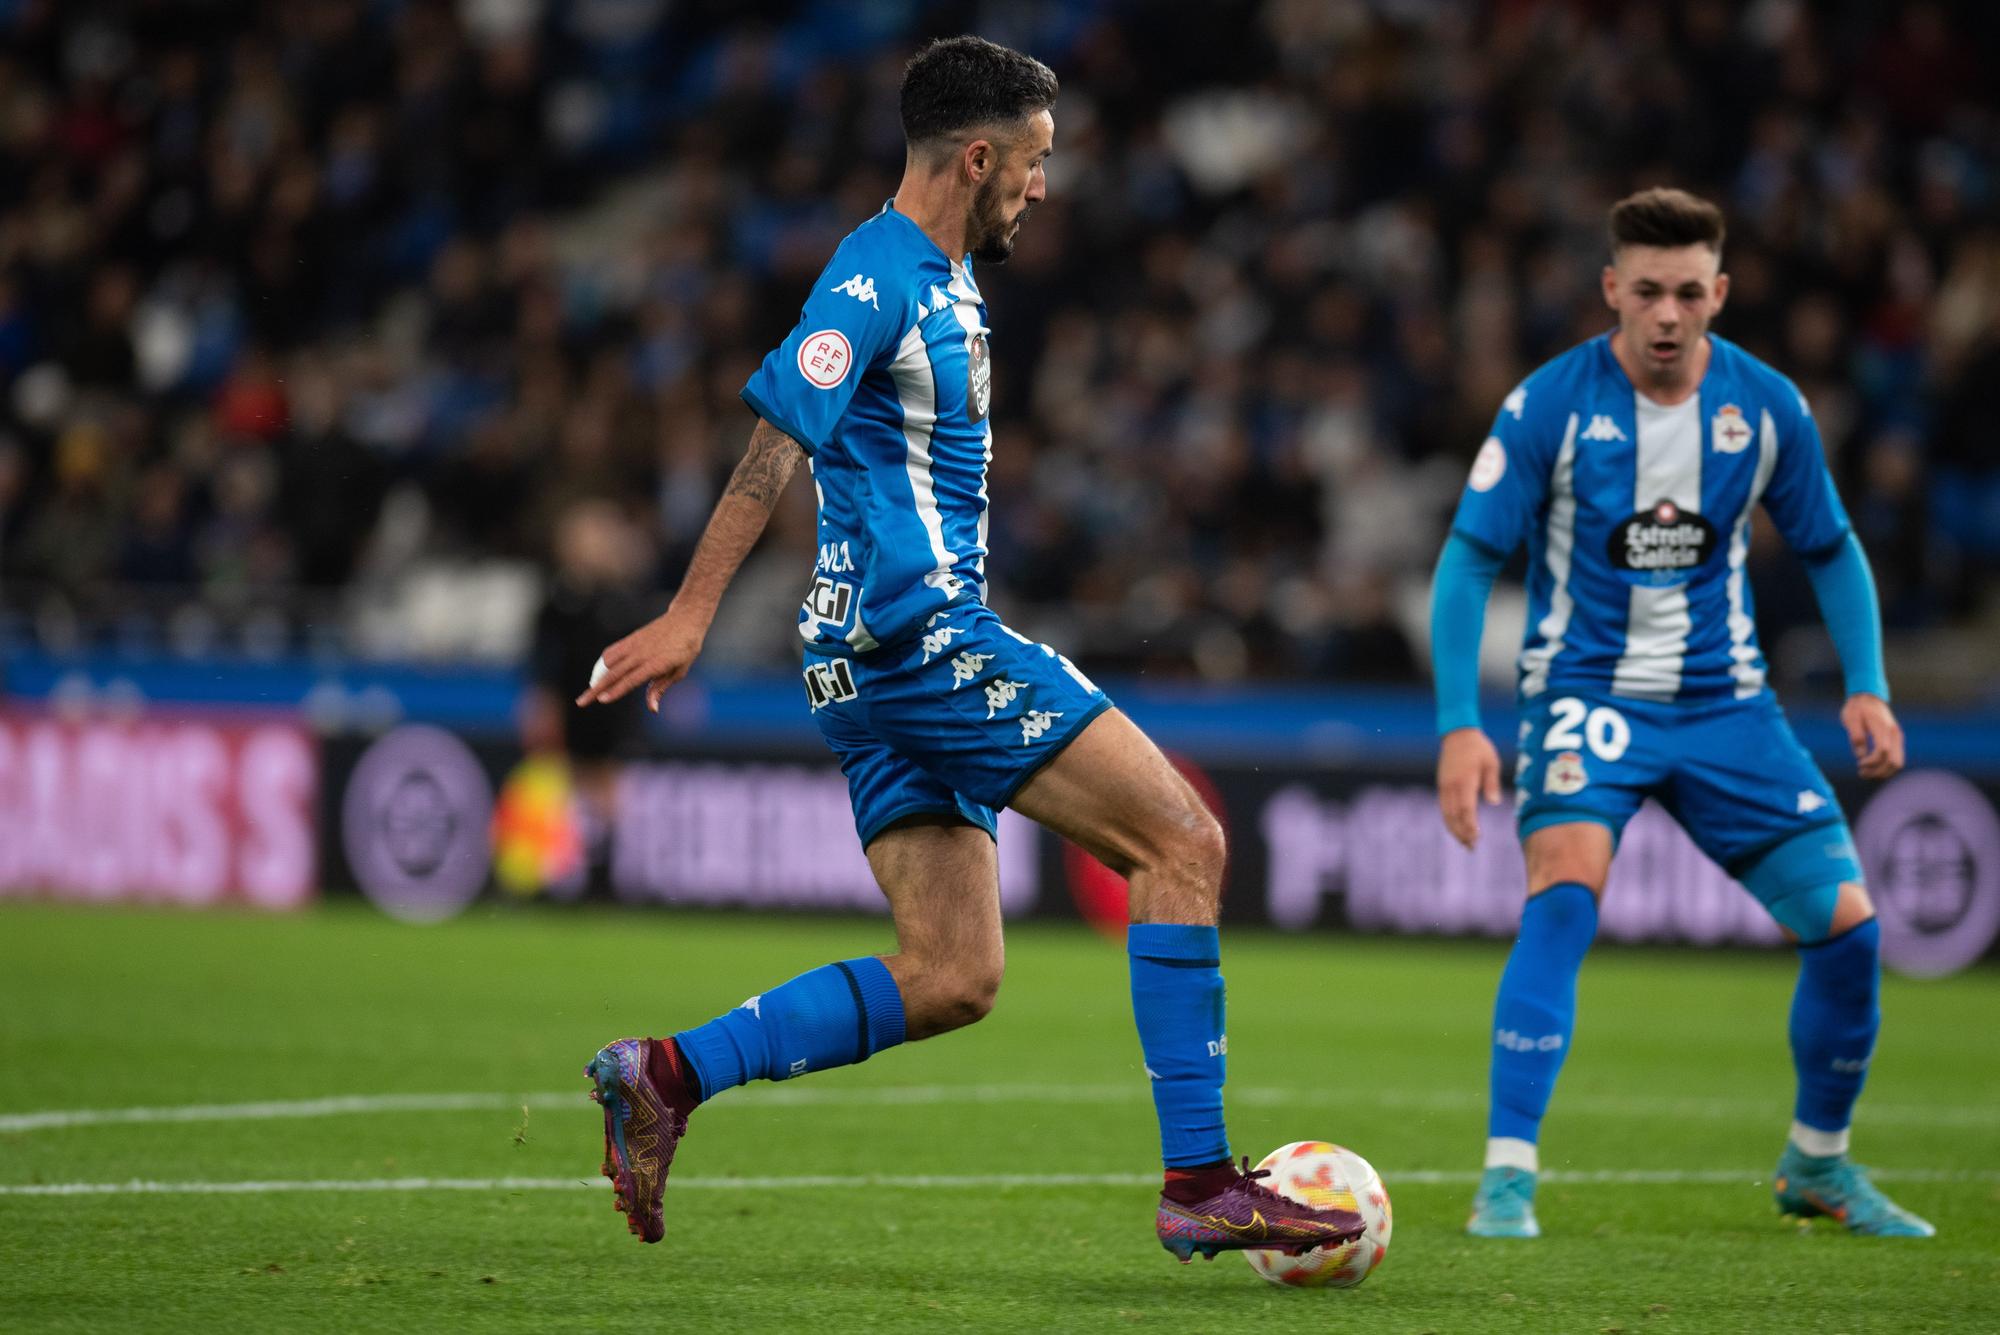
509 261
596 596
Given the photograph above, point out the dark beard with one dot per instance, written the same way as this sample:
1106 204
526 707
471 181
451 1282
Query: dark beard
992 234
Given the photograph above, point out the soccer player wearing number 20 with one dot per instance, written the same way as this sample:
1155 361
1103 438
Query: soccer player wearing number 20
937 711
1630 466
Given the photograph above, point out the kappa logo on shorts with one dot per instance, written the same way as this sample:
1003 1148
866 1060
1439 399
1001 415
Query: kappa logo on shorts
1000 693
1566 774
967 666
936 640
1036 722
829 682
1809 801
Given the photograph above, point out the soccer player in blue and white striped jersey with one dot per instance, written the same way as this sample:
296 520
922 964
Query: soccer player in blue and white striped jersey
937 711
1630 466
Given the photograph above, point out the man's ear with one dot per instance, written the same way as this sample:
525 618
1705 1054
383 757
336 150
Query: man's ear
1610 281
978 159
1721 292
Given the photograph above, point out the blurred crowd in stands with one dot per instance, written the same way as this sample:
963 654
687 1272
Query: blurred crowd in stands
299 300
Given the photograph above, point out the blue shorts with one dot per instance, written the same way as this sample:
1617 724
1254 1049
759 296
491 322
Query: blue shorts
1730 771
952 720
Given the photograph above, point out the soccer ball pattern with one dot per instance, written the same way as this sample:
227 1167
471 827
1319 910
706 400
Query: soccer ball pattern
1326 1176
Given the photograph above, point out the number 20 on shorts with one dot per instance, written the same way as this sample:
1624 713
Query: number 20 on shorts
1604 729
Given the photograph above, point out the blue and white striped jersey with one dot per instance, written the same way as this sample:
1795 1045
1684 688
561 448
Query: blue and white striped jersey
886 382
1637 519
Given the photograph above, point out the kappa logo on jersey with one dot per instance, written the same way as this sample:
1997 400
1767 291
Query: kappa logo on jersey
829 682
1516 402
978 378
1566 775
861 289
938 299
1036 722
1729 431
1602 428
1809 802
1489 467
967 666
1000 693
1658 547
824 358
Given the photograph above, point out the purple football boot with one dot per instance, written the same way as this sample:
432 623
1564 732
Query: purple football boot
641 1130
1246 1215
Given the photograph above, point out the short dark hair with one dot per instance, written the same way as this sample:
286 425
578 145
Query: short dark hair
956 83
1665 217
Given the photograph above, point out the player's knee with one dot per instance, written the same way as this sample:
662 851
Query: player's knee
968 997
1852 908
1203 847
1577 853
1184 844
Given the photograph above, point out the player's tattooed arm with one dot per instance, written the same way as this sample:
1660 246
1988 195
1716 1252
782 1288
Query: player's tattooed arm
659 653
766 466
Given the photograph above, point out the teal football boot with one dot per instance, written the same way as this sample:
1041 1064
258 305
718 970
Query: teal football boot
1504 1206
1807 1185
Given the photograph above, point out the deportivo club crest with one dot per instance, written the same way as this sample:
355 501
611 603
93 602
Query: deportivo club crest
978 379
1566 775
1729 431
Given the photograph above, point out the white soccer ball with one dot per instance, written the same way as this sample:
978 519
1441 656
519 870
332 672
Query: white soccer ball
1325 1176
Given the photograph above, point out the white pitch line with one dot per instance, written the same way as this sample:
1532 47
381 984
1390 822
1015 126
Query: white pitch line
1748 1177
1954 1116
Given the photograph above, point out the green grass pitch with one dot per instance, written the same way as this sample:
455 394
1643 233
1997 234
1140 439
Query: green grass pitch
1679 1071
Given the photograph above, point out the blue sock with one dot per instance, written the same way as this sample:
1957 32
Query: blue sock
1177 1001
836 1015
1834 1019
1536 1008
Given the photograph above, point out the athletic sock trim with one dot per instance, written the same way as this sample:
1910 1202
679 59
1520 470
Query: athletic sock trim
1180 964
1817 1143
860 1012
1513 1152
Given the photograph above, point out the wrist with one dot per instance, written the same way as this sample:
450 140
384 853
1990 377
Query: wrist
690 613
1458 718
